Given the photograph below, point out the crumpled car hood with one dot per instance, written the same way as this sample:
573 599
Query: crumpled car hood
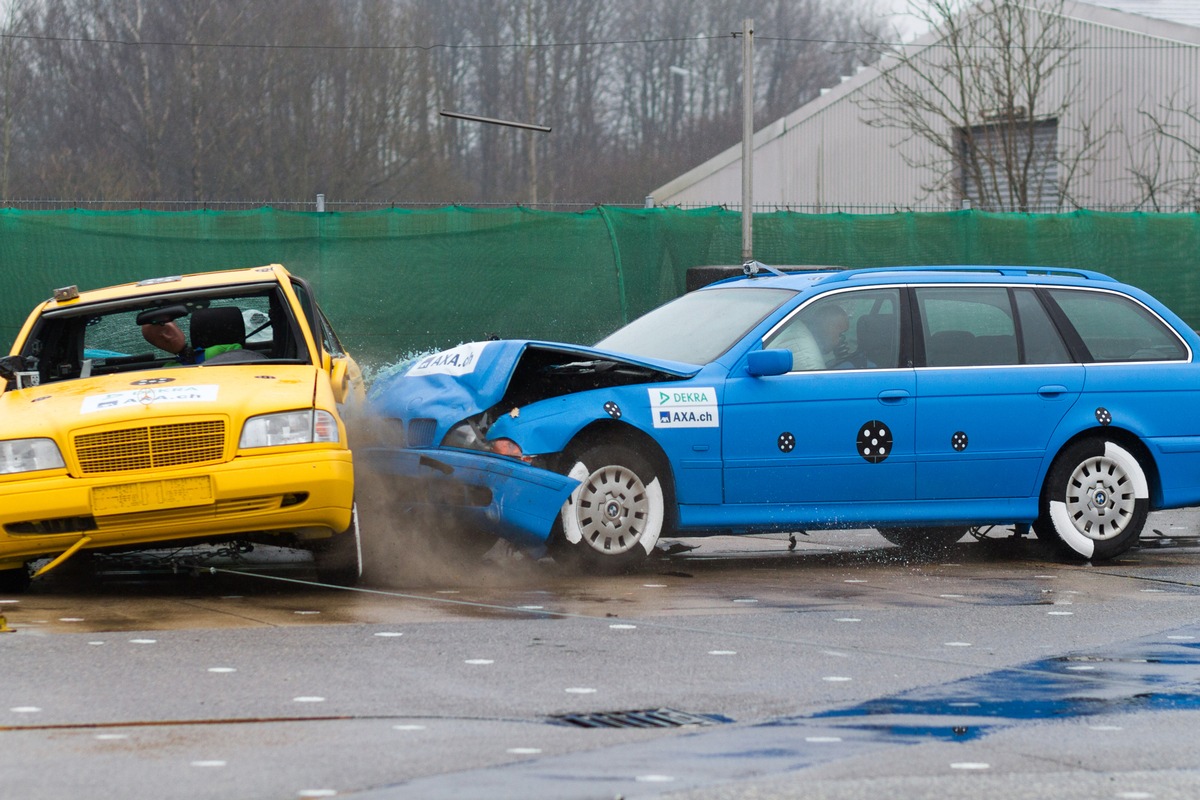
458 383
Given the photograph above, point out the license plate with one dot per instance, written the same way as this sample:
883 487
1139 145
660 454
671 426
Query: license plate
144 495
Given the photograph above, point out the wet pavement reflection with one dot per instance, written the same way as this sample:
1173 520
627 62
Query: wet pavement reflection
835 653
203 587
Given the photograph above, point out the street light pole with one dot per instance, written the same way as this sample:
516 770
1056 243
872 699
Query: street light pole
747 140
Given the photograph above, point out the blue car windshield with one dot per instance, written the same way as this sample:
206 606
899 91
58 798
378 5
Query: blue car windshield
697 327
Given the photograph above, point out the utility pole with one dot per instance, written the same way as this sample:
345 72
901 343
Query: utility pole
747 140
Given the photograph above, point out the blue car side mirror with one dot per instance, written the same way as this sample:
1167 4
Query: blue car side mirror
762 363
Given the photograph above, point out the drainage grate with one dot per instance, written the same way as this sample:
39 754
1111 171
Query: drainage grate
649 718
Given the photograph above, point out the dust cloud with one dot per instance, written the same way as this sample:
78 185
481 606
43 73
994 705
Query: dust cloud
409 543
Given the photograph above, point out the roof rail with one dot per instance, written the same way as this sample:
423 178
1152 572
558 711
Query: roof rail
1008 271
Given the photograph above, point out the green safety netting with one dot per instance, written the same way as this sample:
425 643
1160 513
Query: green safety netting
398 281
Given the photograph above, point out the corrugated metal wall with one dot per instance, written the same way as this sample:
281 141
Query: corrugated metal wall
824 156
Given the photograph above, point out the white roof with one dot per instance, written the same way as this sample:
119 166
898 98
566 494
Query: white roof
1186 12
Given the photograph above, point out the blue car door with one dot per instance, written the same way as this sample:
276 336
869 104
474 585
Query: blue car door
997 380
839 427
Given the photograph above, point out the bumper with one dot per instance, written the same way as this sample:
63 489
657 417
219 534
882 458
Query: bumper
507 498
286 492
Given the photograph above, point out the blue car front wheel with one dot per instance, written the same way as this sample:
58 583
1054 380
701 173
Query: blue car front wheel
615 516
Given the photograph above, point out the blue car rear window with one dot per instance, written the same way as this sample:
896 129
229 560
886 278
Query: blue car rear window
697 327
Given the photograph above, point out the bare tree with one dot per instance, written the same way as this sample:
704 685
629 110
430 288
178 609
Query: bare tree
986 102
282 99
16 82
1166 167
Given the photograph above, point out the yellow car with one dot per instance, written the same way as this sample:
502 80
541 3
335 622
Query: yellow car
194 408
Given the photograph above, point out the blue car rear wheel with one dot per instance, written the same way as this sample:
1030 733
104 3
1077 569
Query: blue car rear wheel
1095 502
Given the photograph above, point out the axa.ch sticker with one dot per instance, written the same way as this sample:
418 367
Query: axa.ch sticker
684 407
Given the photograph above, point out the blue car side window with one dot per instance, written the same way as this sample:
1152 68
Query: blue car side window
967 326
1117 328
847 330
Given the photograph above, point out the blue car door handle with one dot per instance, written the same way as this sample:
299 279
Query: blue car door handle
893 396
1052 391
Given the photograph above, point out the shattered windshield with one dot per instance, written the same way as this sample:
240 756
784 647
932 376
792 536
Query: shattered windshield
697 327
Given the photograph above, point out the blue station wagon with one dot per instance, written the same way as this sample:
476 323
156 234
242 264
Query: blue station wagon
920 401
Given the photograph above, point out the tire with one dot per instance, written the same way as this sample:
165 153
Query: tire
1095 501
338 559
14 581
614 518
923 541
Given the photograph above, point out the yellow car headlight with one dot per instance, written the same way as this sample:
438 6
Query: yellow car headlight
289 427
29 455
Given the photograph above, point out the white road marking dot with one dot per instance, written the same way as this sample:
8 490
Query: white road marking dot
579 690
95 643
308 699
213 763
964 705
745 600
834 654
317 793
654 779
306 612
722 652
108 737
222 669
1061 613
447 591
847 619
970 765
620 626
951 595
957 644
1045 576
836 678
386 634
143 641
25 709
1081 667
1134 795
479 661
1154 591
408 727
1105 727
8 602
1181 638
822 739
854 580
655 585
79 619
524 751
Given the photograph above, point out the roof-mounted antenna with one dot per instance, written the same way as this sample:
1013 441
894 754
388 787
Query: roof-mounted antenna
752 268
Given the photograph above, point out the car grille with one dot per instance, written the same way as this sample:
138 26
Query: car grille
421 431
150 447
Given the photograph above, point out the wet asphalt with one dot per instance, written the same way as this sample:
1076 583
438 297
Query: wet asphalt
834 668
